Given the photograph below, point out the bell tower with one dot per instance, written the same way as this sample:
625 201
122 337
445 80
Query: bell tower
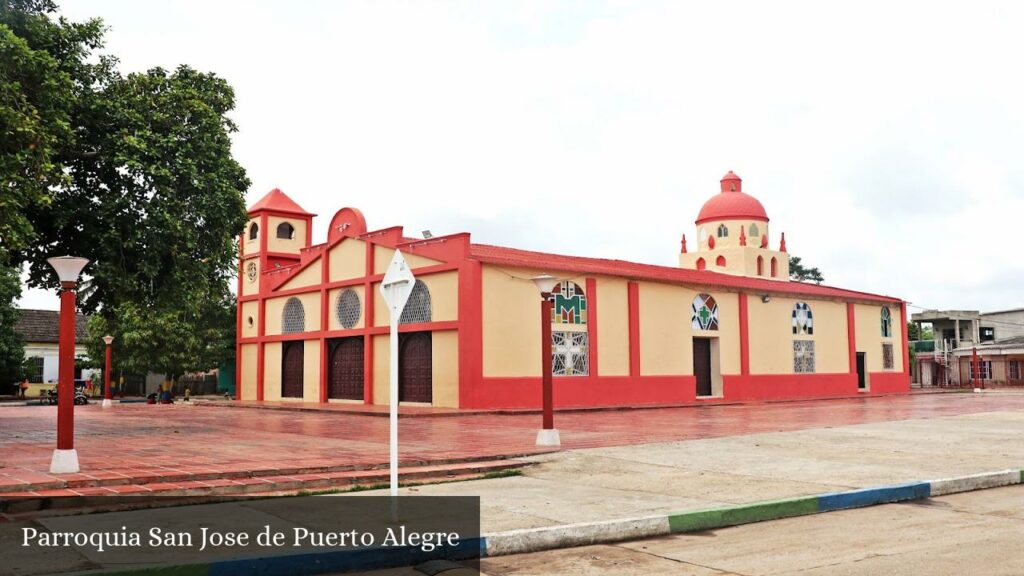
277 231
732 236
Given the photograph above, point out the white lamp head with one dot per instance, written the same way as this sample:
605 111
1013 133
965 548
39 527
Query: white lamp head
545 283
68 268
108 340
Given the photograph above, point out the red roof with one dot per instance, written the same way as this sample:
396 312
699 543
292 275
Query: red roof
668 274
278 201
732 203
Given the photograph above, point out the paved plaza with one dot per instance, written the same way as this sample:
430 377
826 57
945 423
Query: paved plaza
141 448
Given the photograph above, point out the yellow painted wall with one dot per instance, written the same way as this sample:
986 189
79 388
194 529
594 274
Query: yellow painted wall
309 276
771 335
332 310
444 298
733 239
348 260
275 244
250 310
665 335
272 371
275 308
381 368
869 336
728 330
311 371
247 378
250 287
382 257
511 313
445 366
251 246
612 327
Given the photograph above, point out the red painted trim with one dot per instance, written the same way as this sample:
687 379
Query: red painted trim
368 321
325 306
906 336
259 349
744 335
634 329
592 325
470 331
888 382
851 335
580 391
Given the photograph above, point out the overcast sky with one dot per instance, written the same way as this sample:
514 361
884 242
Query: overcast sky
885 139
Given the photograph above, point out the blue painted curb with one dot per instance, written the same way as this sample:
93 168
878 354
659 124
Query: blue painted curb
872 496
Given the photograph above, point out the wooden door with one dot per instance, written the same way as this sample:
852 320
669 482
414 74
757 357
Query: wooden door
345 368
415 367
861 382
702 365
292 368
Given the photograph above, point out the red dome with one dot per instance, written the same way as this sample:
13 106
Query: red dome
732 203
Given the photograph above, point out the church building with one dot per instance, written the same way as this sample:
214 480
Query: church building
726 325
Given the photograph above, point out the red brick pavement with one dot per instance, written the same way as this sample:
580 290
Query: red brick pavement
139 444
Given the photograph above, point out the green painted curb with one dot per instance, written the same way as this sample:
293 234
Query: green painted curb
743 514
1022 476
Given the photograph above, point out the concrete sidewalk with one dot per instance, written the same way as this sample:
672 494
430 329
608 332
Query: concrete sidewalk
600 484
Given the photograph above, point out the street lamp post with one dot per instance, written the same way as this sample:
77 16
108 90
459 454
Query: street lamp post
108 340
65 458
548 434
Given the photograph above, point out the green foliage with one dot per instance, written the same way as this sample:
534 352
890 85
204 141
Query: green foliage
134 173
800 273
12 348
915 333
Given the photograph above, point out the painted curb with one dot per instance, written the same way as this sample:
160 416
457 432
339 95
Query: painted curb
548 538
586 533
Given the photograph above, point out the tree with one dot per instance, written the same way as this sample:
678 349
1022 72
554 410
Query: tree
800 273
12 348
139 179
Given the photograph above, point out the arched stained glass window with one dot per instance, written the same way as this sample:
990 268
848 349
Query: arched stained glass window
704 313
254 231
803 319
348 309
293 319
723 231
417 308
886 322
754 231
285 231
568 304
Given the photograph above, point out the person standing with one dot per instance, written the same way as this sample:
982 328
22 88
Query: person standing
24 387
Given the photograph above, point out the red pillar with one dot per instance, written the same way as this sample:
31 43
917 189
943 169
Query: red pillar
744 336
66 374
633 293
545 362
106 377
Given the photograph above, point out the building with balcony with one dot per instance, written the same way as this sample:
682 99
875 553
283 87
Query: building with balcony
997 338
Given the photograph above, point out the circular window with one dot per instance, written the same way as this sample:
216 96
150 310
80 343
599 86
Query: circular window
348 309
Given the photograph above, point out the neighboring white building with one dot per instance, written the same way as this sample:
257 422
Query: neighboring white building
40 330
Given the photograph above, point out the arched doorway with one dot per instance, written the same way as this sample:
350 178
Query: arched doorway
292 367
345 368
415 367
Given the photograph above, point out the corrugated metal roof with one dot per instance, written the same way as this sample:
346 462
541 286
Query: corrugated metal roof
43 326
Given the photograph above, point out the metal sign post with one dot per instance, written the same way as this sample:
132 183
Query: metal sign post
395 288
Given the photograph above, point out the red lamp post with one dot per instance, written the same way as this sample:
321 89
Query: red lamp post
548 434
108 340
65 458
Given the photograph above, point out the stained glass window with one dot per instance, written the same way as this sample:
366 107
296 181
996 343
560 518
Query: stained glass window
294 317
803 320
569 304
803 356
704 313
569 354
886 322
887 360
254 231
417 308
754 231
348 309
723 231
